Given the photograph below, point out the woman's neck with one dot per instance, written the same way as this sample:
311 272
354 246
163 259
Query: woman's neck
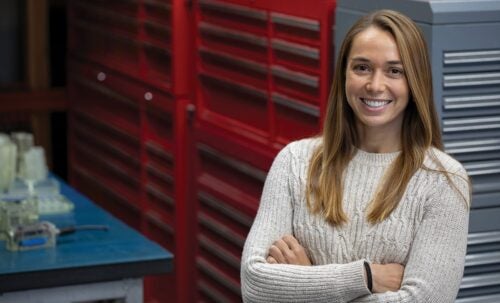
379 140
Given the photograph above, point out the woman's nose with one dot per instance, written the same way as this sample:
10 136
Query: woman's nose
376 82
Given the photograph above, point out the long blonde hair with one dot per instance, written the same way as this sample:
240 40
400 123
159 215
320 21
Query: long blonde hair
420 128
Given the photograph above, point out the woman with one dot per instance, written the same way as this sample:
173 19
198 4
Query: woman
372 210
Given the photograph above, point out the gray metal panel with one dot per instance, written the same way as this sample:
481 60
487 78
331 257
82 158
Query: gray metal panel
433 11
485 219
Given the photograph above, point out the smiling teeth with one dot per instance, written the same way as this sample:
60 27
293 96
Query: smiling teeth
374 103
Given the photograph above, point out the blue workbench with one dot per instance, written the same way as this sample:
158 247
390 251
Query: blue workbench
84 256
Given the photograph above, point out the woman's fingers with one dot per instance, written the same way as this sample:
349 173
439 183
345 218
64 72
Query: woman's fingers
271 260
288 250
277 254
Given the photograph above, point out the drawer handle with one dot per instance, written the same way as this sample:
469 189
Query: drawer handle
471 79
103 186
108 126
212 292
225 209
296 49
217 275
157 4
232 34
294 76
471 102
479 169
238 62
159 151
155 218
246 89
153 190
233 9
104 91
219 251
296 105
83 131
221 230
481 280
162 175
233 163
466 147
308 24
483 238
470 124
482 259
471 57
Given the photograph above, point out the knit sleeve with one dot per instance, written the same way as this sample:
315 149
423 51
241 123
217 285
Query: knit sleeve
264 282
436 260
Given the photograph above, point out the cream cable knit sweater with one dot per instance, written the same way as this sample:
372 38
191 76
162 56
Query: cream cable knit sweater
427 233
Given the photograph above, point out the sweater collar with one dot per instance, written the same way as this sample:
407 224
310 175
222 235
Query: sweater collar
374 159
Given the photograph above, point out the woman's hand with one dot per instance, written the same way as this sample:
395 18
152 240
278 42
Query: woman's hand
386 277
287 250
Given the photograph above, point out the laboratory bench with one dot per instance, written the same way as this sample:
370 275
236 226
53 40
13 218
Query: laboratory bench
85 266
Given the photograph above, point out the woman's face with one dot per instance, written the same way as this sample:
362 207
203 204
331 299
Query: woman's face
376 86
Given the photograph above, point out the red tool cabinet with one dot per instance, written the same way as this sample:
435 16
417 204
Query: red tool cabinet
263 77
177 109
129 70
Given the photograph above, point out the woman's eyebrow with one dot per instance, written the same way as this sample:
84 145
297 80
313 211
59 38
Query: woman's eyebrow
395 62
362 59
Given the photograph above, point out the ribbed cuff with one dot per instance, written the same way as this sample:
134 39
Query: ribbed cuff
353 277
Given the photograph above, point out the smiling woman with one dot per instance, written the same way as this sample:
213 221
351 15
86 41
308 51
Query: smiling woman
372 210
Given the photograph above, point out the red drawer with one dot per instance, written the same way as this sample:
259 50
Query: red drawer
160 231
239 104
296 29
118 161
296 84
229 15
121 142
231 67
234 42
128 87
158 34
105 105
223 222
157 65
229 175
159 11
296 56
114 202
159 127
107 19
215 284
93 42
294 119
128 8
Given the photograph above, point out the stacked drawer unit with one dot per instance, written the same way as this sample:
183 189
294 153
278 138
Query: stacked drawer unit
263 67
465 56
264 70
128 121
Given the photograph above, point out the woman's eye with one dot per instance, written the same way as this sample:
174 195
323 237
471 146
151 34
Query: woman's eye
396 72
361 68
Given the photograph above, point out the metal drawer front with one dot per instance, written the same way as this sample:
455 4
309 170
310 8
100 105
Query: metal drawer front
483 242
232 9
474 150
480 299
